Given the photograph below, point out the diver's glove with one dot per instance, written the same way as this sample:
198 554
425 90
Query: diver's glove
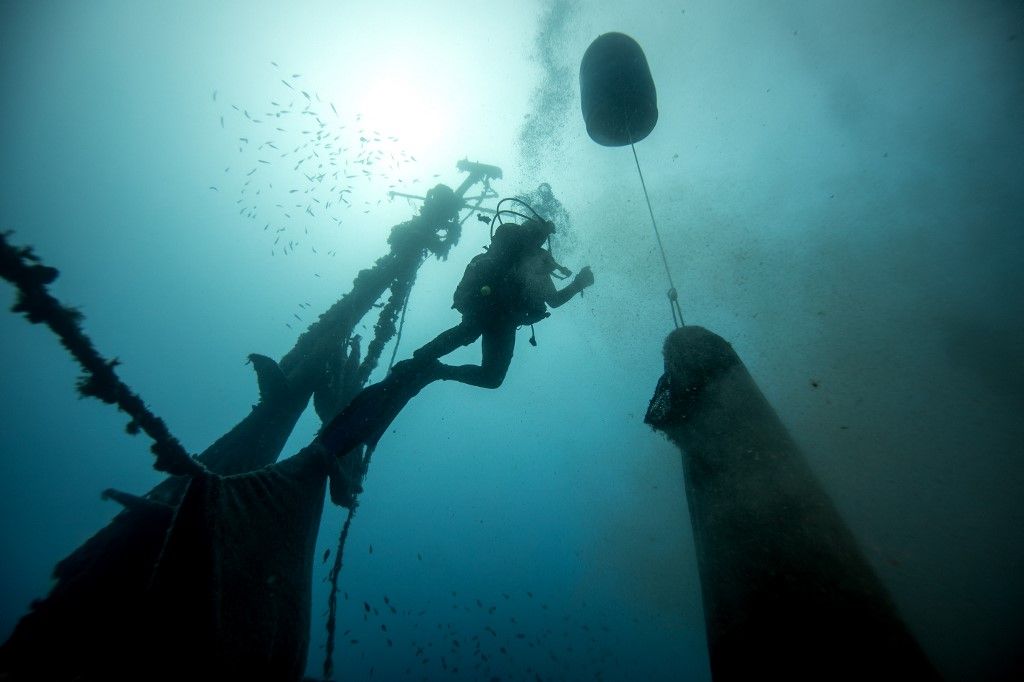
584 278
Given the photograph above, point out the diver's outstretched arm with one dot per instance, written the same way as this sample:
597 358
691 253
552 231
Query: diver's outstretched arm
583 279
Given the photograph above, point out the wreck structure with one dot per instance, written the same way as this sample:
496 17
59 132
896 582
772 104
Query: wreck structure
787 592
178 581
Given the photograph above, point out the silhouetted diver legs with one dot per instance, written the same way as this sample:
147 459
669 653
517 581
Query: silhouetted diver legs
498 344
370 413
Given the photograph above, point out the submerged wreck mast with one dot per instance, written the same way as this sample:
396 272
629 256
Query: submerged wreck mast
211 570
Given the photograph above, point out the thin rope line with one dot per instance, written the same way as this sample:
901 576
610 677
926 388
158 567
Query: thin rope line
673 296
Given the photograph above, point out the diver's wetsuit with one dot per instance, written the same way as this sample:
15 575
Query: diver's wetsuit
498 344
520 298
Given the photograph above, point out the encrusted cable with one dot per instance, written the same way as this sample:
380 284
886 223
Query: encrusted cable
332 599
22 268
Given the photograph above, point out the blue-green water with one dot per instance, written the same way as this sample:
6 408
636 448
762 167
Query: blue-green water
839 187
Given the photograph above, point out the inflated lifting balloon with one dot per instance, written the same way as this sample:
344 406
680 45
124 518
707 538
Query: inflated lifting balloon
620 105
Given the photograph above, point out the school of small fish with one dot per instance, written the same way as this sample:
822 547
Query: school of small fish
322 166
516 636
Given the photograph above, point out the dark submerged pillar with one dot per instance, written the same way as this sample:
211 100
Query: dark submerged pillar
787 592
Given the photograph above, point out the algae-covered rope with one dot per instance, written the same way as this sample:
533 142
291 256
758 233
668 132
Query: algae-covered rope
22 268
401 328
385 328
332 599
339 556
673 295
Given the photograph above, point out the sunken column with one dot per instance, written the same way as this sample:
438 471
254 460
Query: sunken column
787 593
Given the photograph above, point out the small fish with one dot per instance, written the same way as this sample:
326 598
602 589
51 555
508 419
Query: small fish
366 607
371 549
327 553
274 64
333 109
214 95
287 83
214 188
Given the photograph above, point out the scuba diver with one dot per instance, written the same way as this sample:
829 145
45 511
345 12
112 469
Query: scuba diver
507 286
504 288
